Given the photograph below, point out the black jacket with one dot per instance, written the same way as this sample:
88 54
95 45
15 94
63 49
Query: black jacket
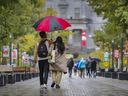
70 63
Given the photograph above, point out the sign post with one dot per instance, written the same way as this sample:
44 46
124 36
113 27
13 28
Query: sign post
5 51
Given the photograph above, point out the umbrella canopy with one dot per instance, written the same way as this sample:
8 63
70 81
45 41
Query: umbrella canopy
96 59
51 23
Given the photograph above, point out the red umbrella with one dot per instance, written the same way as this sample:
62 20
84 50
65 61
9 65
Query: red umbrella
51 23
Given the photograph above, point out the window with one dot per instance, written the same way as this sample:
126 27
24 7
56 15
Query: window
63 11
77 13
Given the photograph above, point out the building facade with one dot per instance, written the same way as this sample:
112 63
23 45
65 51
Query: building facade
81 16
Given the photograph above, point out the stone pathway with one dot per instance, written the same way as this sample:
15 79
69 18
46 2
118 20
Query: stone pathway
74 86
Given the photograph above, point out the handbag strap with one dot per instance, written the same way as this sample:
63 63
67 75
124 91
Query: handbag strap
54 46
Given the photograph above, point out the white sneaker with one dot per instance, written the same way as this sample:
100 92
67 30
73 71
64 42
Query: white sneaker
44 86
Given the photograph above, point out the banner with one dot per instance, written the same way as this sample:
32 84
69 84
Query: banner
116 53
83 41
14 54
5 51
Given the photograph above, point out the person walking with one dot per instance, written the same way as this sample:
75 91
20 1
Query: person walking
75 68
41 57
81 67
60 63
70 65
93 68
88 67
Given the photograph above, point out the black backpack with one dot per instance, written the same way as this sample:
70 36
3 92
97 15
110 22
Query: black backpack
42 49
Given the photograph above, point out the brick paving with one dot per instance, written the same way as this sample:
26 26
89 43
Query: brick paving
74 86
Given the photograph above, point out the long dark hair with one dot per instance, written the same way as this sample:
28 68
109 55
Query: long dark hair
43 34
60 45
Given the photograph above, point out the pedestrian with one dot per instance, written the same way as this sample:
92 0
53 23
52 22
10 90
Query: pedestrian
70 65
75 68
81 67
60 65
88 67
93 68
41 57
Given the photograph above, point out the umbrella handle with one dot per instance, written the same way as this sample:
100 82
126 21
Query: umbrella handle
51 35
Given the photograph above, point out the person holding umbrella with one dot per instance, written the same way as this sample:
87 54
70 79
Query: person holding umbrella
93 68
49 24
41 54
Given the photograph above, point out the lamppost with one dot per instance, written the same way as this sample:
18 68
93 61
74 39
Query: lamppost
18 54
127 59
122 53
112 54
10 36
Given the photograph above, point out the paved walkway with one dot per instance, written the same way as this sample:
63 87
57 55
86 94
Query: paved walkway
74 86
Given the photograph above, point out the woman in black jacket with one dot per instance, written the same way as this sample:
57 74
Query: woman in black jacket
70 65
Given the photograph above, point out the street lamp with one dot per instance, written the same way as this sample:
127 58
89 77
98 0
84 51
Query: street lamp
122 53
10 36
127 59
18 54
112 54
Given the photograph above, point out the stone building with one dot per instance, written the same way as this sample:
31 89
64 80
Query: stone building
81 16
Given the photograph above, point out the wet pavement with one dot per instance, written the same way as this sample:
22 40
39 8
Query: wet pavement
74 86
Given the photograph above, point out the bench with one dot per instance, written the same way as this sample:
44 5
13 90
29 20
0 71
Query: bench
7 75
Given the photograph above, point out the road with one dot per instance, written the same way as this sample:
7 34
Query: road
74 86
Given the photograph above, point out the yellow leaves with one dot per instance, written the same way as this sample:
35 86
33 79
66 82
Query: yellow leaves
28 42
40 3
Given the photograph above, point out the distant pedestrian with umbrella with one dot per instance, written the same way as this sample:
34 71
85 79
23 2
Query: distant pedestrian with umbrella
88 67
41 54
93 67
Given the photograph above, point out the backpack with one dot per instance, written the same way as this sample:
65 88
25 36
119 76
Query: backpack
42 49
70 63
81 64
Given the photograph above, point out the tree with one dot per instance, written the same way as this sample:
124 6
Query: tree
16 18
116 13
16 15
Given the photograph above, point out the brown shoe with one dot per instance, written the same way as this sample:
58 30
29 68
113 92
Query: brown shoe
57 86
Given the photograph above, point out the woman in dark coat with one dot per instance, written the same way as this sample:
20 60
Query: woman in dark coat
70 65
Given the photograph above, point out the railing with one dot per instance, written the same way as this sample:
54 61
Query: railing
10 75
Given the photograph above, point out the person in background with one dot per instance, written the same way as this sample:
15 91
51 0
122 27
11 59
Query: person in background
93 68
88 67
81 67
70 65
75 68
